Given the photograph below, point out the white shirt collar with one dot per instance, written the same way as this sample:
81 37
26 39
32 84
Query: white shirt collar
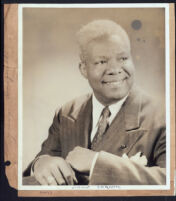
98 107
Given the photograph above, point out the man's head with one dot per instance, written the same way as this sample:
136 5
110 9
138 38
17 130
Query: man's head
106 60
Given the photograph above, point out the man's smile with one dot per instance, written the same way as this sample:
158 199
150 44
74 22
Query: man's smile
113 82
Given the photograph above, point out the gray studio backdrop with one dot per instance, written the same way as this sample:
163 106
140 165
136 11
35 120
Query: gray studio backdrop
50 61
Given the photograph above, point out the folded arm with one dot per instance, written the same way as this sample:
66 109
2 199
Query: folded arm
111 169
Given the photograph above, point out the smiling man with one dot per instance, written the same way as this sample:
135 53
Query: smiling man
115 135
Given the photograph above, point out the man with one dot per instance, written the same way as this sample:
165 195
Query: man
113 136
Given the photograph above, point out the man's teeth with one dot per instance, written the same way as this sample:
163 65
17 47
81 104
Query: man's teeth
114 82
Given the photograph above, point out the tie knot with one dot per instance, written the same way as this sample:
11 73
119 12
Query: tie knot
106 112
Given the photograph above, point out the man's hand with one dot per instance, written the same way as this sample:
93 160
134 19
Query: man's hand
51 170
81 159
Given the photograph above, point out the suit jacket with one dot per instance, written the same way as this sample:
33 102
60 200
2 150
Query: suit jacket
138 127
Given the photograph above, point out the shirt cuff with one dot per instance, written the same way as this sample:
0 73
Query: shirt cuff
93 164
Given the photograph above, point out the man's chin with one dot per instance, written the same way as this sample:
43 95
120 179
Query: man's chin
113 99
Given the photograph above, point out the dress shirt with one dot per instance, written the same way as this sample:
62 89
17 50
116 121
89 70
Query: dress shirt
97 108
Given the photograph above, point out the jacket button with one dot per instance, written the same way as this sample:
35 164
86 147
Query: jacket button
123 146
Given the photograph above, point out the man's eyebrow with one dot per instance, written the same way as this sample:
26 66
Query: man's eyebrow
101 57
122 53
118 54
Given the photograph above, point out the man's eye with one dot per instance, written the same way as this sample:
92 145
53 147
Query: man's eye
123 58
100 62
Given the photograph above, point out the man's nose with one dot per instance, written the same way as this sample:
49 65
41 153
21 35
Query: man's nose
114 67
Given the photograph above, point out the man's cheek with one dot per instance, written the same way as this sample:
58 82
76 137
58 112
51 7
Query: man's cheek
130 70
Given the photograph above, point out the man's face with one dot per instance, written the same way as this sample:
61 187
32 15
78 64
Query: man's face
109 69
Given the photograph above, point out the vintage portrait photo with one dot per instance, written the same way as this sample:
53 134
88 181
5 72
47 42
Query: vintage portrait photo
93 97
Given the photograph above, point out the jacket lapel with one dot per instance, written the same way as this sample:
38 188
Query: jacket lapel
124 131
76 126
84 124
113 137
132 111
82 117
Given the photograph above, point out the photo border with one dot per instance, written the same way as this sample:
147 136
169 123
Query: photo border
43 191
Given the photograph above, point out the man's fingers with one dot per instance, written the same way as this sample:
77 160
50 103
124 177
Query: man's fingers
51 180
66 172
67 176
41 180
53 171
58 176
73 173
74 177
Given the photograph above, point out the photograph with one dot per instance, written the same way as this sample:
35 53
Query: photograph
94 98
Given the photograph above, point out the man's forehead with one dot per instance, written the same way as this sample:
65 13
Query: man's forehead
111 44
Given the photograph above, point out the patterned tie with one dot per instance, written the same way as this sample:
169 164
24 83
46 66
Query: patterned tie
102 127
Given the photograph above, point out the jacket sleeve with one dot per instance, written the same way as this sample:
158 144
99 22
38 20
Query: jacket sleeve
110 169
114 170
51 146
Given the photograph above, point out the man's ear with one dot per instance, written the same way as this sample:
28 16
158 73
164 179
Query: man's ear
83 70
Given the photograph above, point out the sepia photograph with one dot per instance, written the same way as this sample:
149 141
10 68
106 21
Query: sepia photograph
93 97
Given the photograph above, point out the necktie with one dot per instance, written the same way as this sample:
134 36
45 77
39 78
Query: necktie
102 127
